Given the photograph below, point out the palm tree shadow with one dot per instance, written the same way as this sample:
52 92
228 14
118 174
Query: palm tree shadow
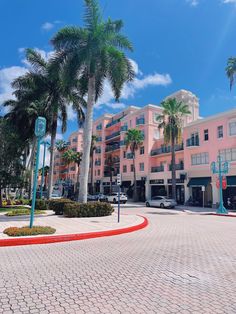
162 213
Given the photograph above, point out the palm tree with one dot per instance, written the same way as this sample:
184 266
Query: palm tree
231 70
46 171
171 122
44 83
110 166
134 140
93 54
61 145
73 157
92 149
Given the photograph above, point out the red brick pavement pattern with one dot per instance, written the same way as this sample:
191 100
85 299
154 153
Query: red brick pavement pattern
181 263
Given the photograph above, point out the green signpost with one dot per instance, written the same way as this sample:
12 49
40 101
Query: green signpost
45 144
220 168
39 131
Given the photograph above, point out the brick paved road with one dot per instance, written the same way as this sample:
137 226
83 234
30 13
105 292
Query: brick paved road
181 263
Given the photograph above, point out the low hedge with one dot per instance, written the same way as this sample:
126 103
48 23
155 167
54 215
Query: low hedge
40 204
57 205
91 209
24 211
27 231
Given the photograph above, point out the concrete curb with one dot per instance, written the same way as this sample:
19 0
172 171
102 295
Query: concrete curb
71 237
222 215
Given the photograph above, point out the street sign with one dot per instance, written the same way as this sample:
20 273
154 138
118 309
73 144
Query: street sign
40 127
118 179
203 188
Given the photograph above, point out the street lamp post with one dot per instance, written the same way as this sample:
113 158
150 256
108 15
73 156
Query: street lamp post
220 168
40 129
45 143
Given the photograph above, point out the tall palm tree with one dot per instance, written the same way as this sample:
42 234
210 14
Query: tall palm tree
171 122
44 82
231 71
134 140
73 157
110 167
92 149
46 171
93 54
61 145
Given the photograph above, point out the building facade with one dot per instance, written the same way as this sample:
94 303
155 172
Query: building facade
203 140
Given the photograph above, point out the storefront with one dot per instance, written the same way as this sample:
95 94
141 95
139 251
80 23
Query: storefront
157 187
229 195
196 191
180 195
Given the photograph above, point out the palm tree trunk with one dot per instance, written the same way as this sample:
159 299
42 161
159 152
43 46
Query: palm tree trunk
110 180
173 168
135 197
87 138
0 196
52 151
92 173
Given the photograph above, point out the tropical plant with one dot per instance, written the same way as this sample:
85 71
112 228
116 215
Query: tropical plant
93 54
44 83
133 141
171 122
93 147
73 157
61 145
46 172
231 70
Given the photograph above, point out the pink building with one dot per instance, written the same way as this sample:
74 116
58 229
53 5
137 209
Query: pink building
203 140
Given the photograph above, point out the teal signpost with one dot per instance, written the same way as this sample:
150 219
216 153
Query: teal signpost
220 168
39 131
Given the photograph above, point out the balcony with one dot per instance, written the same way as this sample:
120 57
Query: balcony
114 160
140 121
179 166
113 122
166 150
115 134
122 143
108 174
111 148
193 141
124 128
157 169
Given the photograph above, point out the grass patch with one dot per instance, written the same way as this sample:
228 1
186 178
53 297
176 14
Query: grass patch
23 211
10 208
27 231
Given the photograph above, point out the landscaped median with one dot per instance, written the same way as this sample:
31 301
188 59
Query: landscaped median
70 229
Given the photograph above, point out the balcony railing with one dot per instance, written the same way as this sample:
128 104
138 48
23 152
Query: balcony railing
193 141
140 121
111 148
157 169
166 150
122 143
108 174
113 122
115 134
124 128
179 166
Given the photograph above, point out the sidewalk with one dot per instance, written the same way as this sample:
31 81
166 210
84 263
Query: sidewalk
65 226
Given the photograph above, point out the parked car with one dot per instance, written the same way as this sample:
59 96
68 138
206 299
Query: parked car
113 198
55 196
91 198
161 201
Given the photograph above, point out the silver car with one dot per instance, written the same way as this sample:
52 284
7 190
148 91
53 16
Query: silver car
161 201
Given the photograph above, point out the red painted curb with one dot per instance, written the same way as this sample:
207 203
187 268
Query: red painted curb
224 215
71 237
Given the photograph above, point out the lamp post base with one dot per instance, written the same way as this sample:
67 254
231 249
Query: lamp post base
222 210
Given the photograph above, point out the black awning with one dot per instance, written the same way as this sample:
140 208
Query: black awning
231 180
201 181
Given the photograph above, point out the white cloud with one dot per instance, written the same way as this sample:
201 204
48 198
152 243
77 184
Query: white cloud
193 3
47 26
7 75
229 1
118 105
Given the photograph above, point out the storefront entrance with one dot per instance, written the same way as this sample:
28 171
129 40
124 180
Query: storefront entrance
180 195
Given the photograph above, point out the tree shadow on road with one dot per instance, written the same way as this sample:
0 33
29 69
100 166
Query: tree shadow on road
161 213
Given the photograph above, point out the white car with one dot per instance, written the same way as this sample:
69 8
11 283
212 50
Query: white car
113 198
161 201
55 196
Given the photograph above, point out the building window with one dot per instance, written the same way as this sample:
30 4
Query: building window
124 168
141 166
220 132
232 128
98 172
74 140
142 150
132 168
200 159
206 135
228 154
124 154
95 173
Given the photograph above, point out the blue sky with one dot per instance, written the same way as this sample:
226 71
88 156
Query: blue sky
178 44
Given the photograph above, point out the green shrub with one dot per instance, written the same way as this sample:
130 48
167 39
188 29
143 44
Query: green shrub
25 201
40 204
24 211
91 209
27 231
57 205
